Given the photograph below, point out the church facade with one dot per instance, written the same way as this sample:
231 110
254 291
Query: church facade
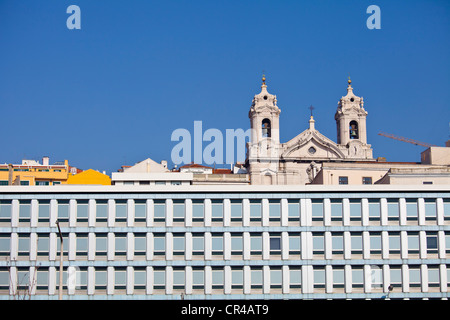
298 160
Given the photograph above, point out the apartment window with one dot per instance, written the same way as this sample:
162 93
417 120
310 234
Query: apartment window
393 209
274 210
433 276
367 180
178 244
159 211
413 243
159 244
256 275
63 210
65 245
5 211
42 279
376 276
81 244
394 243
319 277
175 183
216 210
447 242
355 209
411 209
5 244
140 244
140 210
4 279
121 210
432 243
293 210
414 276
236 210
217 278
140 278
357 277
396 276
343 180
338 277
23 279
294 243
317 209
236 244
356 243
101 244
198 244
337 243
198 278
121 244
446 209
44 211
101 278
295 277
336 210
255 244
276 278
160 183
120 278
375 243
374 209
178 210
318 243
82 211
179 277
24 244
237 278
198 209
275 244
217 244
255 210
101 211
430 209
159 278
24 210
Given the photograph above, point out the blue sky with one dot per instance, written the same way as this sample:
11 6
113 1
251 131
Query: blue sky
112 93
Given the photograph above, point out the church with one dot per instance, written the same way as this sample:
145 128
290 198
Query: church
312 158
298 160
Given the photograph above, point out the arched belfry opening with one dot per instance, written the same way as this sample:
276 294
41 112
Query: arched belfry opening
266 128
353 130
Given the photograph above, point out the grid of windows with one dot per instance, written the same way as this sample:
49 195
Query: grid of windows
275 260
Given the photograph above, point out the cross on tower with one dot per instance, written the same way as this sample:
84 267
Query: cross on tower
311 108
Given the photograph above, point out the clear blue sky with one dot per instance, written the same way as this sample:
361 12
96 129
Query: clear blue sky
112 93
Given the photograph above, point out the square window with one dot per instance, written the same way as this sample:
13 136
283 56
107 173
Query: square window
216 210
140 210
343 180
367 180
275 244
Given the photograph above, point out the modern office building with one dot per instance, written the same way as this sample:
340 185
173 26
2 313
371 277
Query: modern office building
225 242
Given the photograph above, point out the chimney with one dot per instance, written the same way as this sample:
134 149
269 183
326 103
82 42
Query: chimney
45 161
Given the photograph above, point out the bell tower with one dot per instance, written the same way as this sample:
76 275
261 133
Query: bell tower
263 150
265 117
351 126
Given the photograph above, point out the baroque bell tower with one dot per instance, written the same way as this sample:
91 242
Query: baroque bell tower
264 146
351 126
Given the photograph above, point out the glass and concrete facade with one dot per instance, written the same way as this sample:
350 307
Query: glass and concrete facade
225 242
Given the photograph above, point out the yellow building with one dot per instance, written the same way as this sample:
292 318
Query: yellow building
90 177
31 173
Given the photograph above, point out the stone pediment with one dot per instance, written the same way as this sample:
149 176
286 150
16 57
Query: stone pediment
310 144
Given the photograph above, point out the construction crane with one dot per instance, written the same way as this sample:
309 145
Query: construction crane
417 143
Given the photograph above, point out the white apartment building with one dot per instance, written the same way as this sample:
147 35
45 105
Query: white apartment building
226 242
